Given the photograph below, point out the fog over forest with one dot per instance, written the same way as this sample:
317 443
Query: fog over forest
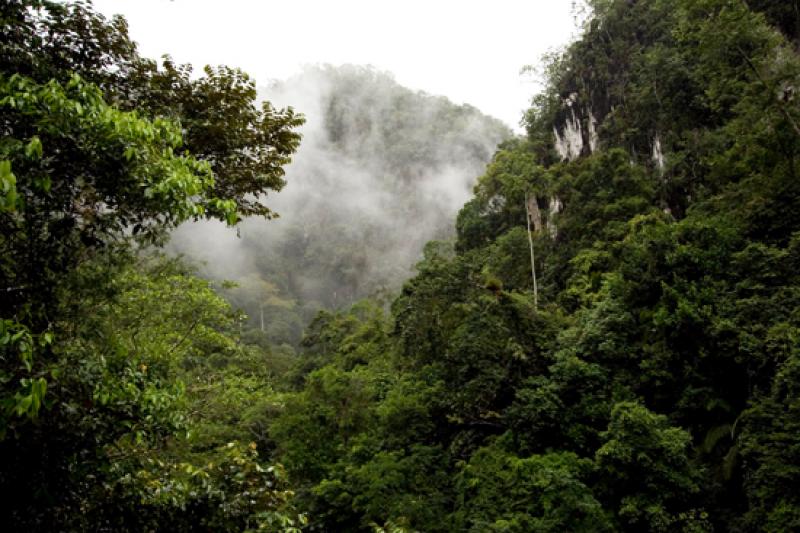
380 171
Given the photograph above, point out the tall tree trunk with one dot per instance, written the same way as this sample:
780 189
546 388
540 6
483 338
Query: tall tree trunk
532 212
534 215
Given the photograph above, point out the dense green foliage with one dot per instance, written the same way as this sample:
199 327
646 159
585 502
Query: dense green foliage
649 381
653 387
102 426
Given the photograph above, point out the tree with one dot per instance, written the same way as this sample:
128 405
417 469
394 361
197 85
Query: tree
138 429
647 472
246 147
91 396
499 491
79 175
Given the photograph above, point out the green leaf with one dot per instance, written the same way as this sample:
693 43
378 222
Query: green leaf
34 148
8 187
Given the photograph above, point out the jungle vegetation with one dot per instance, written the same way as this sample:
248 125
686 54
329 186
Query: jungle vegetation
610 342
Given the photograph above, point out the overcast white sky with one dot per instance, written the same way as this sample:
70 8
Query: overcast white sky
470 51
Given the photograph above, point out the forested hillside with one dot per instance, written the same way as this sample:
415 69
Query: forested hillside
650 383
609 343
374 155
